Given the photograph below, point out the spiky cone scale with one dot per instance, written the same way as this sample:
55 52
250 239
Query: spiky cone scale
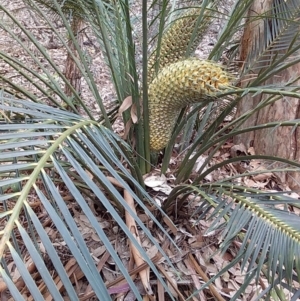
176 39
175 87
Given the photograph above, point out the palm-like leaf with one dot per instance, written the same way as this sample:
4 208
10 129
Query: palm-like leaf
277 41
49 82
43 153
272 240
58 152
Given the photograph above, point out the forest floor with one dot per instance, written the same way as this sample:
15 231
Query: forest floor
187 237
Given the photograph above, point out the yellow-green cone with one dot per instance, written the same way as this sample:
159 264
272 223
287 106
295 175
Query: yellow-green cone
176 39
176 86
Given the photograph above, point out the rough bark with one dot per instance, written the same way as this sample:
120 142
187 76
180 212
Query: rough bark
283 141
72 72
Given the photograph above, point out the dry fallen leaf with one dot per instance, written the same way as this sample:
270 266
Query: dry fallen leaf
126 104
238 150
133 114
155 181
158 183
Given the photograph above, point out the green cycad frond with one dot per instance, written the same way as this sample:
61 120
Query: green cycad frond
270 236
71 8
49 82
277 40
40 150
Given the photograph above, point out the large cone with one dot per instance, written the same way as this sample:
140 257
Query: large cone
176 86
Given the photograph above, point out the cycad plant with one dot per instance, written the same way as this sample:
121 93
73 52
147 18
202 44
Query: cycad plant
73 13
72 190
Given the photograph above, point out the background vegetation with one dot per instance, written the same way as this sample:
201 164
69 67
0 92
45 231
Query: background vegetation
65 171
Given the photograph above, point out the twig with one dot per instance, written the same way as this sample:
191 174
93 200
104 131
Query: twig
130 222
121 278
170 280
197 267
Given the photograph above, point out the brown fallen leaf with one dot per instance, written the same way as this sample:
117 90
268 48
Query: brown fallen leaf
130 222
126 104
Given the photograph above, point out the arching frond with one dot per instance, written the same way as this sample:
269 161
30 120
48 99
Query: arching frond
267 237
277 43
59 160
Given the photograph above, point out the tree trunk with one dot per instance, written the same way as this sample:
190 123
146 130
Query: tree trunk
284 141
72 72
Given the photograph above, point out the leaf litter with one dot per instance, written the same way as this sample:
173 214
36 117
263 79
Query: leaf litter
195 257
